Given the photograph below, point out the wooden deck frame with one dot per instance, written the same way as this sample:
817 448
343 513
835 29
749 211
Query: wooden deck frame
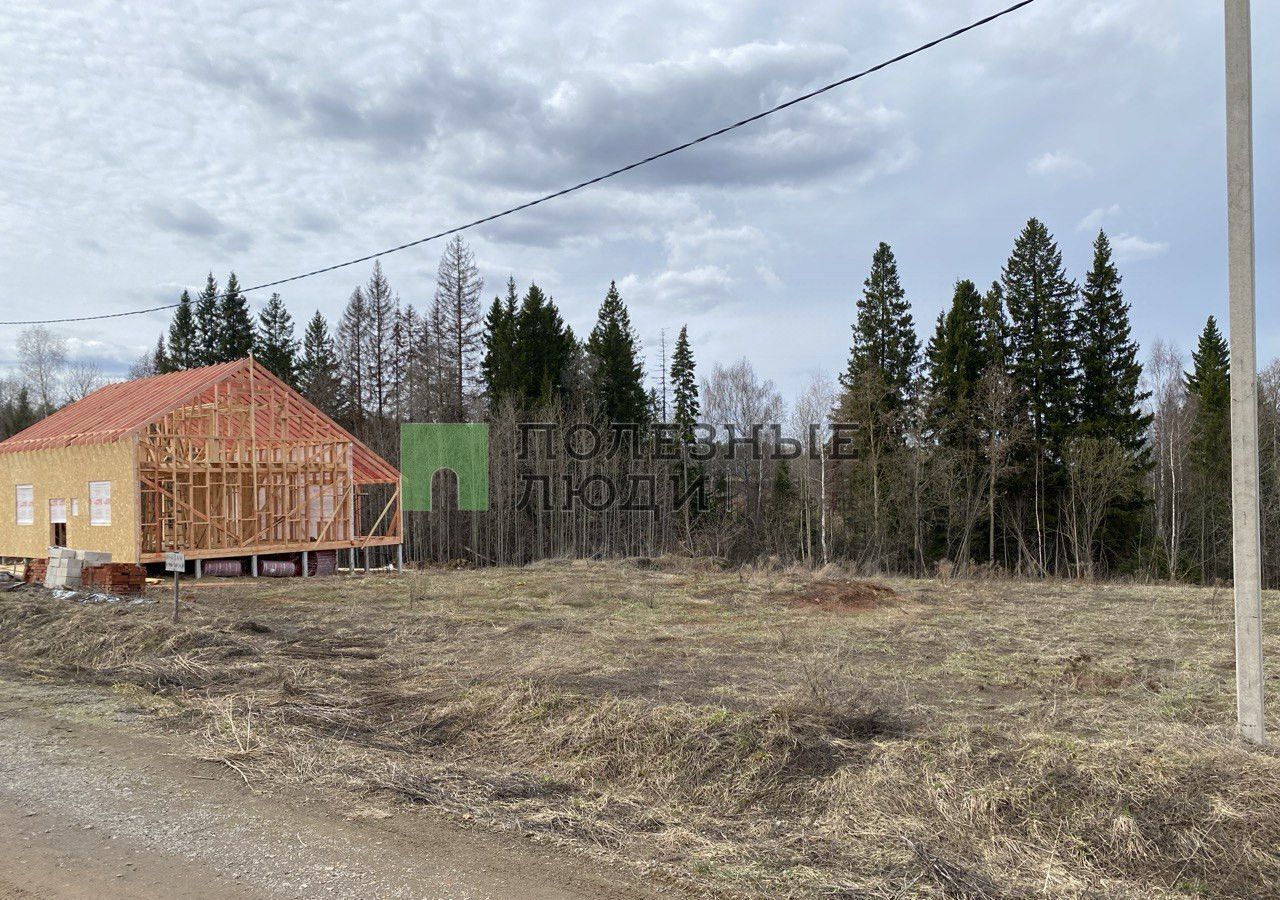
247 467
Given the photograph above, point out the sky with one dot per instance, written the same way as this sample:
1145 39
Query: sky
144 144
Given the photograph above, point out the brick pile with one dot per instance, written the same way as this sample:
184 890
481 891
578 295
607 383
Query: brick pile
120 579
36 571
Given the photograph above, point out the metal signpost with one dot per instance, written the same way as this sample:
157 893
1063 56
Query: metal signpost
177 564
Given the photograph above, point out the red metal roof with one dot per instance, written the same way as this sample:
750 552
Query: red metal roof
120 410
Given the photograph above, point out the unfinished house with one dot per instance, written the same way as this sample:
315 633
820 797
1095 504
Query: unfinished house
225 462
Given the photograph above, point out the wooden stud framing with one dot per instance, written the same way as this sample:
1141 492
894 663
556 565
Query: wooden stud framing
247 468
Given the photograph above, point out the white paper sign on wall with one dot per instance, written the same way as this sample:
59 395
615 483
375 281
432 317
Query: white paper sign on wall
99 502
26 504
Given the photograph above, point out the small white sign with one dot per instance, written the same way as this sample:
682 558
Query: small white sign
175 562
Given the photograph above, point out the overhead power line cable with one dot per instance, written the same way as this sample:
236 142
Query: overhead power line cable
580 185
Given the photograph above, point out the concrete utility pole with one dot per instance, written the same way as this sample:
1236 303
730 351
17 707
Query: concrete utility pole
1245 540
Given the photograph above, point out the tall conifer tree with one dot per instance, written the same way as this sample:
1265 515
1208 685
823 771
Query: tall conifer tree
458 325
498 364
184 339
235 326
277 348
684 386
1111 399
1041 299
160 362
885 344
617 372
317 367
1110 396
1209 386
208 325
353 368
380 307
957 358
1041 302
545 349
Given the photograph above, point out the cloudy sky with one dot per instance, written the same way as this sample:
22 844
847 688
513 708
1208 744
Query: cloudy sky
143 144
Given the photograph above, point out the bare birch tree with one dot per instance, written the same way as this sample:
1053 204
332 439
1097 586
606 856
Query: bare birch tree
42 361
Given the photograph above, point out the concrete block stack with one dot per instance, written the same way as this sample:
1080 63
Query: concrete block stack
64 568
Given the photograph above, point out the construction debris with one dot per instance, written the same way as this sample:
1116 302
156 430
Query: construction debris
68 569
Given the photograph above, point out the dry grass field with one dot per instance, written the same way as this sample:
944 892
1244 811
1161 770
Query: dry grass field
775 734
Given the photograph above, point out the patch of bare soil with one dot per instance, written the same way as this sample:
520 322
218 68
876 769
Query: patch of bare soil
843 596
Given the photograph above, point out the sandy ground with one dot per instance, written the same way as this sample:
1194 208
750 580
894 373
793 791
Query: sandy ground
94 805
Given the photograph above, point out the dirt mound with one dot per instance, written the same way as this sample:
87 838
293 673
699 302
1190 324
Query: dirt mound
843 596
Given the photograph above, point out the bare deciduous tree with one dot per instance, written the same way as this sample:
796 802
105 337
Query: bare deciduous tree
1098 471
814 407
733 396
82 379
42 359
1169 433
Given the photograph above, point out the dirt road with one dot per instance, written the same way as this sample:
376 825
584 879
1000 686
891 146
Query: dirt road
92 806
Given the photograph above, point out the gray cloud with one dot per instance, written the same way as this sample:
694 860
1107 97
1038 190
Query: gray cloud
257 136
190 219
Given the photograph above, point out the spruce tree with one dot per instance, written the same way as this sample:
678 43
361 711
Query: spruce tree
885 344
1040 299
1041 302
1110 403
317 377
353 368
1209 386
879 390
957 360
684 387
995 328
617 372
160 361
184 338
19 413
276 347
208 327
235 338
1110 398
498 364
545 349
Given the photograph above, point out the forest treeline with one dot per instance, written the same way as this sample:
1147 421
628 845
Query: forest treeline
1023 434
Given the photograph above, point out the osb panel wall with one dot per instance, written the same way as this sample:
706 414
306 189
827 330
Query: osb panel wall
65 473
